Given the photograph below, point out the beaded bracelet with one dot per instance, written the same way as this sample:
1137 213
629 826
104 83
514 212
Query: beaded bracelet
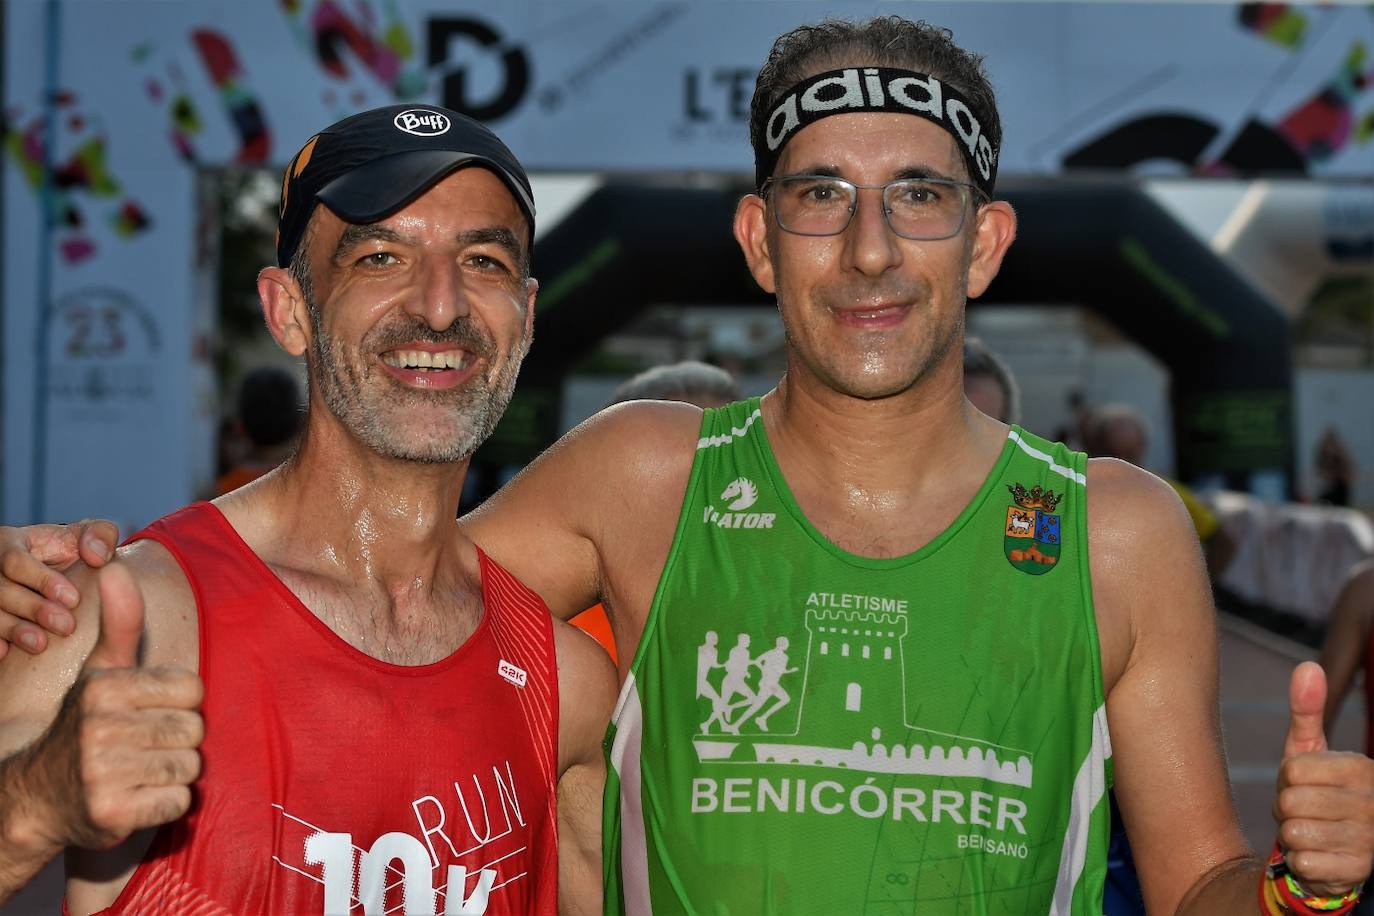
1270 903
1281 894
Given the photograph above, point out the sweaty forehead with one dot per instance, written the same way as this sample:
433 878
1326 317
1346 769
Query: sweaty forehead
873 146
473 190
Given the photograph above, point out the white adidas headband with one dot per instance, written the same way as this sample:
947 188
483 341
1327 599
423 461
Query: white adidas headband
878 89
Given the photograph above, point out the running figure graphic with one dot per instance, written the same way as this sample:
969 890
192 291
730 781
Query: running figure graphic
772 666
737 665
735 692
708 659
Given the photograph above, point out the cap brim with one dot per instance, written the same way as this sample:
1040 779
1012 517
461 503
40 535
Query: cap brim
378 189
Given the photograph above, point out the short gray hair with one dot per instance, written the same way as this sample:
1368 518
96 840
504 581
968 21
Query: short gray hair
688 381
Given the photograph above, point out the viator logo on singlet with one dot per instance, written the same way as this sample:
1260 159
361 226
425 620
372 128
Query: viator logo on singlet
738 496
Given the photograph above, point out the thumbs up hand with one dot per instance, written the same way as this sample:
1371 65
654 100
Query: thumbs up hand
122 752
1325 801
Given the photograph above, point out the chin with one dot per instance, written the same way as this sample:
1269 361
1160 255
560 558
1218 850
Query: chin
873 386
431 455
434 440
875 392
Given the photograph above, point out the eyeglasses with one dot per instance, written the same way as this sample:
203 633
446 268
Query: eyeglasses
921 209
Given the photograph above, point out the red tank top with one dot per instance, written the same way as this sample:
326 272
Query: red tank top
337 783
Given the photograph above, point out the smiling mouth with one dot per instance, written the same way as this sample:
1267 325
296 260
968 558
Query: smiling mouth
426 361
880 313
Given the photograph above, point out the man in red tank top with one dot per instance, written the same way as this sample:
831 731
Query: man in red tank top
316 695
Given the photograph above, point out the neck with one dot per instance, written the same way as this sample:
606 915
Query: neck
896 444
339 510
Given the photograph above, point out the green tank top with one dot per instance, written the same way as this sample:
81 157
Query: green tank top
805 730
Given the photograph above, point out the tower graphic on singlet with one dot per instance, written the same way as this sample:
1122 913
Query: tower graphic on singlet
852 676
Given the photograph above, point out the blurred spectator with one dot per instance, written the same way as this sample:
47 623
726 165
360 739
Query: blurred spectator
1074 434
1335 469
989 384
695 383
268 417
1120 431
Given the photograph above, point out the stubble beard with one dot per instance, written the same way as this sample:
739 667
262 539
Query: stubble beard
371 406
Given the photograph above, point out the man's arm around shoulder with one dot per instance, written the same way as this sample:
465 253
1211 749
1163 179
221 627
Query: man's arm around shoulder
93 747
589 496
1160 670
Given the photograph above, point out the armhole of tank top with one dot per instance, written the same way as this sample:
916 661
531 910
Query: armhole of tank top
1079 462
495 618
710 418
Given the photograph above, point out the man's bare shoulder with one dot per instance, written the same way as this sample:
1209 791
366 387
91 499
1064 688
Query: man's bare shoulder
172 622
1124 500
638 440
1147 569
1354 604
556 524
1359 582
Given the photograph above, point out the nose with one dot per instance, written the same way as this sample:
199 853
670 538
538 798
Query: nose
870 245
441 297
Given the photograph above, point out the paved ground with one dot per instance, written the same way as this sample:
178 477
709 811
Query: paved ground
1255 667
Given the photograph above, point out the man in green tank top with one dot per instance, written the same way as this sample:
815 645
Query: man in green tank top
881 652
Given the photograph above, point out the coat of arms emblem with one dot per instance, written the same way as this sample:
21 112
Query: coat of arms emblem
1032 541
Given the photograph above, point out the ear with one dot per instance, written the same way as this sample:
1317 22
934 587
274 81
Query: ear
994 235
284 309
751 232
531 290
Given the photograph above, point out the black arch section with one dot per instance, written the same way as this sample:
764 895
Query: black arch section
1226 346
1105 247
1177 137
627 247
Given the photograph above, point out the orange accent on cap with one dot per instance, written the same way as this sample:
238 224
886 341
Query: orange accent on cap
303 157
294 169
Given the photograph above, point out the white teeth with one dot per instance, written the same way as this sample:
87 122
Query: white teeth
424 359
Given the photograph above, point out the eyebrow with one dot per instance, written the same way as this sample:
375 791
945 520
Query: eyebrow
354 234
494 235
369 232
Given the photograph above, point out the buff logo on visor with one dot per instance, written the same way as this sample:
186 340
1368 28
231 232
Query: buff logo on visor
879 89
